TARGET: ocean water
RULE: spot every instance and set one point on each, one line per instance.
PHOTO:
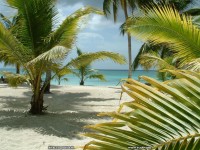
(113, 77)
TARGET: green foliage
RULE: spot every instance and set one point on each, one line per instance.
(84, 70)
(36, 43)
(60, 73)
(15, 80)
(166, 25)
(88, 58)
(165, 115)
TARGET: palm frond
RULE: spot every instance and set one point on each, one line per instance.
(165, 24)
(101, 77)
(106, 6)
(161, 116)
(194, 65)
(6, 21)
(79, 52)
(193, 11)
(11, 49)
(152, 59)
(66, 34)
(196, 21)
(78, 74)
(115, 9)
(33, 27)
(55, 54)
(15, 80)
(63, 72)
(88, 58)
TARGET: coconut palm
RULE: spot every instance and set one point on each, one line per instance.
(85, 72)
(165, 115)
(61, 73)
(178, 31)
(162, 50)
(38, 44)
(125, 5)
(82, 64)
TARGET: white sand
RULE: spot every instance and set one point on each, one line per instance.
(69, 109)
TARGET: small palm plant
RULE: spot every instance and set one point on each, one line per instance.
(82, 64)
(85, 72)
(38, 46)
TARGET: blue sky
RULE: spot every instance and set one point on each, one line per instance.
(100, 33)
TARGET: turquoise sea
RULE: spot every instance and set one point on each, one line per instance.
(112, 76)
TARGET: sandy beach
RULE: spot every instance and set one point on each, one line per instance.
(70, 108)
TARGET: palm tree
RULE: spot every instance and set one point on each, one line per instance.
(85, 72)
(164, 115)
(124, 4)
(82, 64)
(162, 50)
(176, 30)
(37, 44)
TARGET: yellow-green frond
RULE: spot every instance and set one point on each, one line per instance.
(66, 34)
(55, 54)
(165, 115)
(88, 58)
(166, 25)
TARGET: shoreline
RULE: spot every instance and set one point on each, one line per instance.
(70, 108)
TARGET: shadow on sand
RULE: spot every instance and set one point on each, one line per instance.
(63, 119)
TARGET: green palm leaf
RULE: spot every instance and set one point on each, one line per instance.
(66, 34)
(88, 58)
(152, 59)
(97, 76)
(15, 80)
(10, 48)
(33, 27)
(164, 115)
(166, 25)
(55, 54)
(38, 44)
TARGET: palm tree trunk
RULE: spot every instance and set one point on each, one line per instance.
(129, 57)
(59, 78)
(129, 45)
(82, 76)
(82, 82)
(37, 103)
(47, 80)
(37, 98)
(17, 68)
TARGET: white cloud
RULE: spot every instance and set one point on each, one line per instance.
(98, 22)
(66, 10)
(89, 36)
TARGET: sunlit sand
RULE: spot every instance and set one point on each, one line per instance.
(70, 108)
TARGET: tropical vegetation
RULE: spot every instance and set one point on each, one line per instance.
(40, 46)
(85, 72)
(12, 26)
(164, 115)
(128, 6)
(151, 56)
(176, 30)
(37, 44)
(80, 66)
